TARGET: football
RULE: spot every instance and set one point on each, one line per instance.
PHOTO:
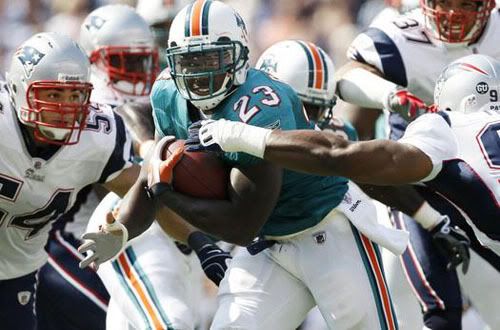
(199, 174)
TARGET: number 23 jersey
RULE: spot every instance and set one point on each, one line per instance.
(36, 190)
(261, 101)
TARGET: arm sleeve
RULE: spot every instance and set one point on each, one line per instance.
(122, 154)
(375, 47)
(432, 134)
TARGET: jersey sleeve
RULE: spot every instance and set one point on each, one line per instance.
(162, 96)
(122, 154)
(432, 134)
(378, 47)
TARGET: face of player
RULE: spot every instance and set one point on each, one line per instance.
(60, 110)
(460, 19)
(207, 70)
(314, 112)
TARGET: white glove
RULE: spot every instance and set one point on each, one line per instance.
(234, 136)
(104, 244)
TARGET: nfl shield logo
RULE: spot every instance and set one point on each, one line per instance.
(23, 297)
(320, 237)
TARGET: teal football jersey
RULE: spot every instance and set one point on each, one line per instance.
(261, 101)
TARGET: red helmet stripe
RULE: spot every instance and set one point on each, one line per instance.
(473, 68)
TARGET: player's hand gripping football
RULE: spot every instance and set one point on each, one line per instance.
(406, 104)
(213, 259)
(104, 244)
(194, 142)
(215, 135)
(453, 244)
(160, 171)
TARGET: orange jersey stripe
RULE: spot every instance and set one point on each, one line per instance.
(140, 292)
(196, 18)
(319, 72)
(380, 281)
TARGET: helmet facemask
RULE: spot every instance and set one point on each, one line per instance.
(206, 72)
(130, 70)
(56, 122)
(456, 25)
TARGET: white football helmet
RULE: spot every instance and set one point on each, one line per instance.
(49, 61)
(120, 46)
(457, 24)
(469, 84)
(304, 66)
(207, 52)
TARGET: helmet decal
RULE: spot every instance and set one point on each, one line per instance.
(318, 72)
(197, 20)
(29, 57)
(95, 22)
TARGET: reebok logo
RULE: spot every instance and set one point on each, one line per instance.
(354, 206)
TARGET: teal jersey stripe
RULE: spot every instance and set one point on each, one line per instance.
(130, 293)
(147, 283)
(371, 277)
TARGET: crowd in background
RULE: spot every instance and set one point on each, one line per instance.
(332, 24)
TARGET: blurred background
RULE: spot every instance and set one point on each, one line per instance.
(332, 24)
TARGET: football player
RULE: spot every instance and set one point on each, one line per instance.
(394, 65)
(51, 149)
(147, 281)
(309, 70)
(309, 253)
(455, 152)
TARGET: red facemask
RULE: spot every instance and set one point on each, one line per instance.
(57, 118)
(135, 65)
(452, 25)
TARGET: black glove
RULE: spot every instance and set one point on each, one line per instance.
(213, 260)
(193, 143)
(452, 243)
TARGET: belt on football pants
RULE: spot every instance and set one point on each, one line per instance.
(259, 244)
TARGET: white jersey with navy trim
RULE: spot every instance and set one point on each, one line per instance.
(35, 191)
(469, 170)
(404, 52)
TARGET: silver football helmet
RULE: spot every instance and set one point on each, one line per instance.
(45, 65)
(120, 46)
(469, 84)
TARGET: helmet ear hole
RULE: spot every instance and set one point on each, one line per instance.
(173, 44)
(224, 39)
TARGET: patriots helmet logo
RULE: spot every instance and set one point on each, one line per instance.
(94, 22)
(29, 57)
